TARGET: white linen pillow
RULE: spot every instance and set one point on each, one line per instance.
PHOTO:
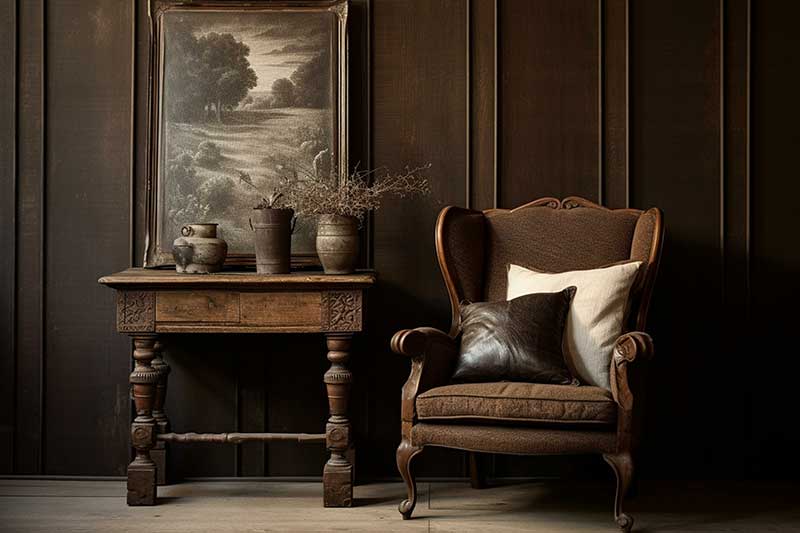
(596, 316)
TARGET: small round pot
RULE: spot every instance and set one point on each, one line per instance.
(337, 243)
(273, 239)
(198, 250)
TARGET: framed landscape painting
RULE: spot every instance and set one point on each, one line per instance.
(241, 93)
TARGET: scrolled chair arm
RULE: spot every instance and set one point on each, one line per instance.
(419, 341)
(628, 348)
(433, 355)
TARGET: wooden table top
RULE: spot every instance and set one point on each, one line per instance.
(162, 279)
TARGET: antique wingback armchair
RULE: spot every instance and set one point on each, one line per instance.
(474, 249)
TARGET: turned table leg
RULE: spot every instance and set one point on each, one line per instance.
(143, 379)
(337, 477)
(160, 452)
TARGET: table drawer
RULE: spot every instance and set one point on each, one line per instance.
(281, 309)
(197, 306)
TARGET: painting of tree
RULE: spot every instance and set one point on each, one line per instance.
(241, 92)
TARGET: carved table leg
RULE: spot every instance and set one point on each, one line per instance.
(337, 477)
(142, 471)
(160, 453)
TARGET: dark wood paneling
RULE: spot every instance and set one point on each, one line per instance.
(482, 49)
(297, 402)
(202, 398)
(735, 200)
(423, 89)
(138, 142)
(87, 232)
(774, 229)
(675, 165)
(614, 57)
(30, 235)
(549, 99)
(8, 185)
(252, 411)
(419, 96)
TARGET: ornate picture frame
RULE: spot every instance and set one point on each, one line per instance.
(240, 91)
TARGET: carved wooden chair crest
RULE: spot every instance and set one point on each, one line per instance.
(474, 249)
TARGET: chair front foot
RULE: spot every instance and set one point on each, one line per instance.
(625, 522)
(622, 464)
(405, 453)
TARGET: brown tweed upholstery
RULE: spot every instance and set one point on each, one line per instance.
(524, 403)
(463, 236)
(515, 440)
(554, 240)
(474, 249)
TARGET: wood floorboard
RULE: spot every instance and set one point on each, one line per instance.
(541, 506)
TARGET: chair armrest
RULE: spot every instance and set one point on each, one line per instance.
(433, 354)
(629, 347)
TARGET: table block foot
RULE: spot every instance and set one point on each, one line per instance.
(337, 481)
(141, 484)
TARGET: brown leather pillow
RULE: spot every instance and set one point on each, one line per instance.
(515, 340)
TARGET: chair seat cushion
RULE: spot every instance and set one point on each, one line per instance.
(519, 403)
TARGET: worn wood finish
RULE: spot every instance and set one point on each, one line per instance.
(542, 506)
(147, 304)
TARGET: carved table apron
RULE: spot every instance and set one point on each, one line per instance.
(150, 302)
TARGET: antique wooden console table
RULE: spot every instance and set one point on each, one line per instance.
(150, 302)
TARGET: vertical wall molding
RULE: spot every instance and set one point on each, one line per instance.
(601, 61)
(614, 71)
(9, 35)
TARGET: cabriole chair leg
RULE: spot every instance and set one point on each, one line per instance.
(623, 468)
(405, 453)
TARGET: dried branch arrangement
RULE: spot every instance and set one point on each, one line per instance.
(352, 195)
(308, 194)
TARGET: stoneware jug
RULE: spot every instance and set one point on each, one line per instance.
(198, 250)
(337, 243)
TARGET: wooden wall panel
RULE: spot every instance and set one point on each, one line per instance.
(30, 238)
(614, 185)
(202, 397)
(548, 100)
(419, 115)
(482, 103)
(775, 224)
(735, 215)
(676, 165)
(8, 185)
(686, 105)
(87, 232)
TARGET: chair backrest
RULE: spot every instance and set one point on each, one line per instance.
(474, 248)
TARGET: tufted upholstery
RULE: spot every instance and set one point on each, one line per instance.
(522, 403)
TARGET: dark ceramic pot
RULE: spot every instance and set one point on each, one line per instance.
(337, 243)
(273, 239)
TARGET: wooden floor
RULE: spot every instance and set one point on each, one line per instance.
(545, 506)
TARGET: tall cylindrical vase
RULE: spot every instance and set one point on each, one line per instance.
(272, 240)
(337, 243)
